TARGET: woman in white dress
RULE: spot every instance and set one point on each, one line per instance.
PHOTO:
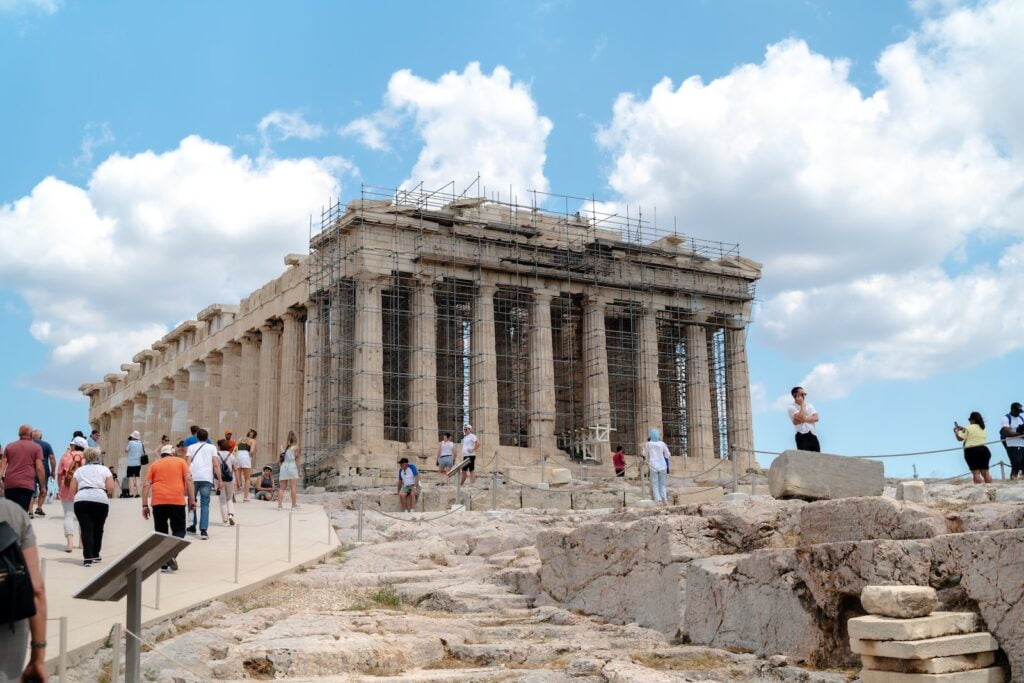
(244, 450)
(288, 475)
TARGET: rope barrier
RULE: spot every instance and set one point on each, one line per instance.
(159, 651)
(418, 520)
(886, 455)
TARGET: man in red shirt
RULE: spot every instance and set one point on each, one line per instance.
(22, 465)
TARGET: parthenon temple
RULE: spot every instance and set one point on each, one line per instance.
(557, 335)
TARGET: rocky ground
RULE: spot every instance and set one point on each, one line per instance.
(465, 597)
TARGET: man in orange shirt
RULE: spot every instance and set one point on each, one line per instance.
(170, 481)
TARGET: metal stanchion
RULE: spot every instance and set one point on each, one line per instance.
(359, 521)
(735, 477)
(1002, 470)
(42, 569)
(290, 535)
(494, 490)
(62, 661)
(329, 529)
(238, 546)
(156, 598)
(115, 657)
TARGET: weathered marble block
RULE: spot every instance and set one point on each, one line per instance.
(904, 602)
(821, 476)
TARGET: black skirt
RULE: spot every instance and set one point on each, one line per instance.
(977, 457)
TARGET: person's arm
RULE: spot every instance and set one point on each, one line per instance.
(36, 667)
(215, 464)
(53, 465)
(399, 488)
(417, 480)
(190, 489)
(41, 474)
(959, 432)
(812, 418)
(147, 486)
(298, 457)
(1006, 430)
(109, 486)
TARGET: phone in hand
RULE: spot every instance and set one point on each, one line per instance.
(956, 425)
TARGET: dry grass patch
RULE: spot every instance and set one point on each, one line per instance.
(682, 661)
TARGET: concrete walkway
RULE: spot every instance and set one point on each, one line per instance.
(207, 568)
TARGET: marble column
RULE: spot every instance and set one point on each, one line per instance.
(212, 395)
(139, 407)
(483, 370)
(293, 356)
(114, 436)
(248, 385)
(313, 415)
(423, 368)
(230, 389)
(737, 392)
(337, 391)
(648, 404)
(196, 394)
(165, 410)
(151, 433)
(269, 390)
(368, 366)
(700, 432)
(542, 375)
(596, 402)
(179, 412)
(127, 418)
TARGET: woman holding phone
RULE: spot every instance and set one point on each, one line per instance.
(976, 453)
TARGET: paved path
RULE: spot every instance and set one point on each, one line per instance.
(206, 567)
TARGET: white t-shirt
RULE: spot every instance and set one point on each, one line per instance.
(657, 455)
(803, 427)
(408, 475)
(202, 466)
(1013, 423)
(469, 445)
(92, 484)
(447, 448)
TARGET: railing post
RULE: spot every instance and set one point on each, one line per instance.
(494, 490)
(238, 545)
(62, 662)
(359, 522)
(290, 535)
(115, 658)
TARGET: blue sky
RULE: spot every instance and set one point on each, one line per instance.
(869, 153)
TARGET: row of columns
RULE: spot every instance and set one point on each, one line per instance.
(253, 382)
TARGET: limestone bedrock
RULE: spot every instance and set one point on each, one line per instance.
(899, 601)
(873, 627)
(821, 476)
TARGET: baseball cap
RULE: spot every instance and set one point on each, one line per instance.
(80, 442)
(167, 450)
(1015, 404)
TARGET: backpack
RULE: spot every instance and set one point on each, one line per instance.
(76, 461)
(17, 597)
(225, 471)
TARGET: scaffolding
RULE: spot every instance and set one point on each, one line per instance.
(412, 289)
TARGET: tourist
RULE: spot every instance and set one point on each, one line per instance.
(192, 437)
(470, 447)
(805, 419)
(22, 468)
(49, 466)
(619, 462)
(72, 459)
(1011, 430)
(408, 484)
(445, 456)
(26, 637)
(94, 439)
(134, 451)
(168, 484)
(976, 453)
(202, 458)
(657, 455)
(228, 474)
(265, 489)
(244, 450)
(231, 442)
(92, 487)
(288, 473)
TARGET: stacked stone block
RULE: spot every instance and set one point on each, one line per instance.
(904, 640)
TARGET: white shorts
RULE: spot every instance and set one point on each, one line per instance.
(243, 460)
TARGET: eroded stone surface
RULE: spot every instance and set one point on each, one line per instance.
(990, 675)
(904, 602)
(933, 665)
(821, 476)
(855, 519)
(873, 627)
(943, 646)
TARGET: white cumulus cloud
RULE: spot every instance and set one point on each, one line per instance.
(853, 200)
(45, 6)
(285, 125)
(149, 241)
(470, 123)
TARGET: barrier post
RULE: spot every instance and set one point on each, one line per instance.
(42, 569)
(238, 545)
(115, 657)
(289, 535)
(62, 661)
(494, 489)
(1002, 470)
(156, 598)
(735, 477)
(328, 525)
(359, 521)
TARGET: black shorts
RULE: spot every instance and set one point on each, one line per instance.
(134, 471)
(471, 465)
(977, 457)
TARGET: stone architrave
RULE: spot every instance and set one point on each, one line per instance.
(368, 365)
(483, 370)
(818, 476)
(648, 386)
(542, 375)
(293, 352)
(700, 431)
(596, 401)
(423, 368)
(212, 400)
(266, 408)
(739, 415)
(248, 385)
(179, 414)
(230, 390)
(196, 394)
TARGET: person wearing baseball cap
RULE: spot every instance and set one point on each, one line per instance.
(1012, 432)
(168, 483)
(470, 447)
(134, 450)
(72, 459)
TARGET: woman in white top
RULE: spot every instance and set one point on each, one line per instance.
(92, 487)
(445, 456)
(228, 476)
(657, 455)
(288, 474)
(244, 450)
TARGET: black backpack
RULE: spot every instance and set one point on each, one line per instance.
(17, 597)
(225, 471)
